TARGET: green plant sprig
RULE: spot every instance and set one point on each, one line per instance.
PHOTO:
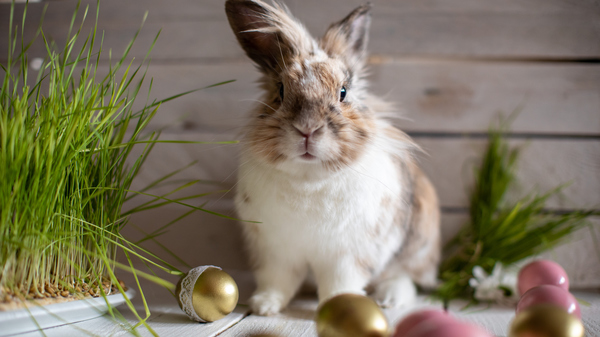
(499, 231)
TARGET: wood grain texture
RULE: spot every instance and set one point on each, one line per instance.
(467, 96)
(296, 320)
(199, 239)
(431, 96)
(457, 28)
(543, 165)
(436, 96)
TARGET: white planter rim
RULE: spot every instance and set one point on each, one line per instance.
(52, 315)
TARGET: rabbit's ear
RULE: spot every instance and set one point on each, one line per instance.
(268, 33)
(348, 37)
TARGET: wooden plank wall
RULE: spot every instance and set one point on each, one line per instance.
(451, 66)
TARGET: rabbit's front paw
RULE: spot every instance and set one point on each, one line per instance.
(395, 293)
(266, 303)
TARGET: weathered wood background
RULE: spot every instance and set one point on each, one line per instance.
(453, 67)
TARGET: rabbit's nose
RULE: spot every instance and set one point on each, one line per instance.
(307, 133)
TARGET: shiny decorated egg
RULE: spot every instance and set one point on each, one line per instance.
(546, 321)
(542, 272)
(207, 294)
(351, 315)
(430, 316)
(549, 294)
(446, 328)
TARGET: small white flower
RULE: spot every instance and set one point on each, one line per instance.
(36, 63)
(499, 287)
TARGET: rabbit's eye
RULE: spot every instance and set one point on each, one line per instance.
(342, 94)
(281, 91)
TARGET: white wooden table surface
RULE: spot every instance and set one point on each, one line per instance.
(297, 320)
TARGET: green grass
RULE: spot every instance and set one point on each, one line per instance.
(500, 230)
(66, 163)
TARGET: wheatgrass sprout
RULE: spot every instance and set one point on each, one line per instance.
(64, 145)
(501, 230)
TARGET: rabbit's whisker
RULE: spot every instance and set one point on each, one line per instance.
(261, 102)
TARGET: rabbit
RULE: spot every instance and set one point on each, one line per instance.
(333, 186)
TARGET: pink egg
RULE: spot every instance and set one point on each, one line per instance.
(447, 328)
(549, 294)
(541, 272)
(409, 322)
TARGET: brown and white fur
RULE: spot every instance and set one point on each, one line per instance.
(333, 184)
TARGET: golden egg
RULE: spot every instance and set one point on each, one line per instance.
(350, 315)
(214, 294)
(546, 321)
